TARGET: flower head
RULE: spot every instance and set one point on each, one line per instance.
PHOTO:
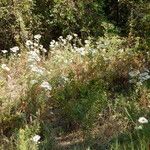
(142, 120)
(37, 69)
(4, 51)
(14, 49)
(29, 43)
(46, 85)
(36, 138)
(69, 37)
(80, 50)
(38, 36)
(33, 56)
(134, 73)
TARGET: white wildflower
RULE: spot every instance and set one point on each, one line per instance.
(4, 66)
(35, 44)
(144, 76)
(37, 70)
(52, 43)
(33, 56)
(14, 49)
(44, 50)
(38, 36)
(80, 50)
(134, 73)
(69, 37)
(32, 47)
(41, 46)
(36, 138)
(64, 41)
(142, 120)
(65, 78)
(60, 37)
(87, 42)
(29, 43)
(75, 35)
(33, 82)
(56, 44)
(4, 51)
(121, 50)
(46, 85)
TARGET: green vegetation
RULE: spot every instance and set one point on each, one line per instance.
(75, 75)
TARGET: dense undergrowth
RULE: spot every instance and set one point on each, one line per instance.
(70, 79)
(100, 89)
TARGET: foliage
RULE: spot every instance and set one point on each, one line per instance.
(70, 79)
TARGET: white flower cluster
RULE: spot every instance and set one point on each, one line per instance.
(33, 60)
(35, 46)
(46, 86)
(139, 77)
(33, 56)
(14, 49)
(62, 42)
(80, 50)
(36, 69)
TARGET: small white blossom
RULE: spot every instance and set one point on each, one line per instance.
(29, 43)
(36, 138)
(33, 56)
(38, 36)
(69, 37)
(134, 73)
(4, 66)
(80, 50)
(60, 37)
(46, 85)
(33, 82)
(87, 42)
(144, 76)
(64, 41)
(35, 44)
(4, 51)
(14, 49)
(37, 70)
(52, 43)
(41, 46)
(142, 120)
(75, 35)
(44, 50)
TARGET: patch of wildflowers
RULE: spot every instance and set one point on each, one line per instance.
(134, 73)
(33, 56)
